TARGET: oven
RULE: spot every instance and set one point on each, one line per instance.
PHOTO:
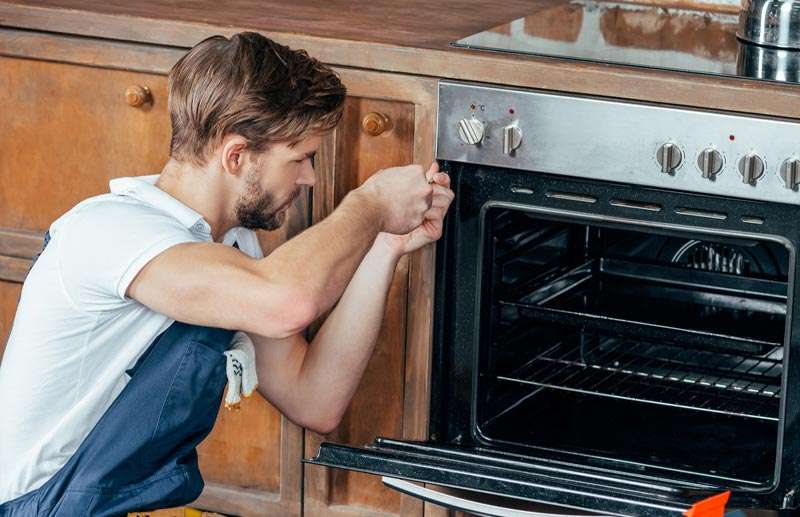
(613, 312)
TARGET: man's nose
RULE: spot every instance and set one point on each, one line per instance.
(307, 175)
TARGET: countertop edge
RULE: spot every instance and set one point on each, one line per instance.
(552, 74)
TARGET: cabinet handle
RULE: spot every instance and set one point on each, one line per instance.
(137, 96)
(375, 123)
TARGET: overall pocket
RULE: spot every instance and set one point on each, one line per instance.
(77, 502)
(192, 403)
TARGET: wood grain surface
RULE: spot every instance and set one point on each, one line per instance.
(67, 131)
(408, 37)
(411, 23)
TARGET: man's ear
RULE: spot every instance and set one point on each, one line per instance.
(232, 154)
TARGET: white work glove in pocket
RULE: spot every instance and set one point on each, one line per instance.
(241, 370)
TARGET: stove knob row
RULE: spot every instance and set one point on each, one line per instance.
(710, 161)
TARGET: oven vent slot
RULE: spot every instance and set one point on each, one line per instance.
(752, 219)
(694, 212)
(516, 189)
(570, 196)
(637, 205)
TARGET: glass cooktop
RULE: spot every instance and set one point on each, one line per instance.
(638, 35)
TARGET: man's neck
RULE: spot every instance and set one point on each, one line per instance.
(201, 189)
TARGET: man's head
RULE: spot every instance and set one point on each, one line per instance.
(254, 111)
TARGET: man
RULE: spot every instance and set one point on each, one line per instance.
(114, 368)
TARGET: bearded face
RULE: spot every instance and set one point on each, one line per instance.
(258, 209)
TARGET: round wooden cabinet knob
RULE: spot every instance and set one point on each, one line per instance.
(375, 123)
(138, 96)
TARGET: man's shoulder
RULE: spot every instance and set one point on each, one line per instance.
(114, 212)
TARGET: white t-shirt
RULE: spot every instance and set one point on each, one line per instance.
(75, 333)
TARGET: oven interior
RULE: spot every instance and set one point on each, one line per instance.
(632, 347)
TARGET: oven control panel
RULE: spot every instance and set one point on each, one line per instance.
(638, 143)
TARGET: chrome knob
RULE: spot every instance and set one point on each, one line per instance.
(470, 130)
(790, 172)
(751, 167)
(709, 161)
(512, 139)
(670, 157)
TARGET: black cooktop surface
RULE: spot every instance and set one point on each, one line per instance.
(638, 35)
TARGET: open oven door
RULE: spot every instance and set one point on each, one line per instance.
(482, 483)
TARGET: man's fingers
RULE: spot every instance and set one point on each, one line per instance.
(442, 178)
(439, 190)
(435, 213)
(441, 202)
(430, 174)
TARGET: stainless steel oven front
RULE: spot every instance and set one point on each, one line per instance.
(613, 315)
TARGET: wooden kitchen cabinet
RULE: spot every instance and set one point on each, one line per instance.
(68, 128)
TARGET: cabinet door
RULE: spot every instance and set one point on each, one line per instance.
(391, 400)
(66, 130)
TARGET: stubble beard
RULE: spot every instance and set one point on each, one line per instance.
(256, 209)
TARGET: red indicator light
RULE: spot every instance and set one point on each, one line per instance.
(511, 110)
(731, 137)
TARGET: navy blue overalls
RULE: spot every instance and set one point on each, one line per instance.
(141, 454)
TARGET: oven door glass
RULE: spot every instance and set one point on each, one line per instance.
(633, 347)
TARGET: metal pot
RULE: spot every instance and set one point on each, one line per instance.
(774, 23)
(774, 64)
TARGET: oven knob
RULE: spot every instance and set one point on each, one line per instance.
(751, 167)
(790, 172)
(470, 130)
(709, 161)
(669, 156)
(512, 138)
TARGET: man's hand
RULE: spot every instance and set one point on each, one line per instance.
(431, 228)
(402, 195)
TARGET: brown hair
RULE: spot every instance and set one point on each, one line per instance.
(251, 86)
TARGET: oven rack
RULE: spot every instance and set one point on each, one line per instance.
(737, 385)
(643, 330)
(755, 308)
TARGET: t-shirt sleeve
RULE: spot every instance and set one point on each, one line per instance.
(103, 247)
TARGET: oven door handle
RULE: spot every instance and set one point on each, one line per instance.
(463, 503)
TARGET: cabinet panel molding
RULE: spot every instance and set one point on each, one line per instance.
(391, 399)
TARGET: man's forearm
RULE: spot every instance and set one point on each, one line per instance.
(336, 358)
(321, 260)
